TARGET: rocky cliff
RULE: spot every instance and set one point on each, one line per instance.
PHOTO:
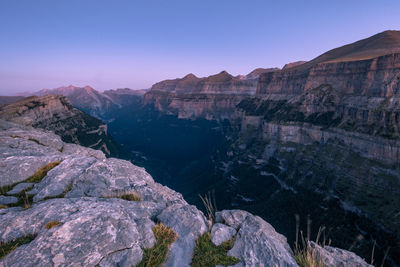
(63, 205)
(213, 97)
(55, 113)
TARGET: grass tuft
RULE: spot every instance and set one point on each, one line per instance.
(6, 248)
(206, 253)
(42, 172)
(157, 255)
(210, 206)
(303, 254)
(122, 194)
(36, 141)
(52, 224)
(3, 206)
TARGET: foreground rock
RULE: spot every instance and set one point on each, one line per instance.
(336, 257)
(77, 217)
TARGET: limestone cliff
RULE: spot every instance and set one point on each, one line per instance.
(213, 97)
(55, 113)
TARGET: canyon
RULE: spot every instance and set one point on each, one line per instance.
(318, 140)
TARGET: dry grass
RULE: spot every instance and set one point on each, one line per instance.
(206, 253)
(303, 254)
(129, 196)
(210, 205)
(3, 206)
(157, 255)
(6, 248)
(42, 172)
(52, 224)
(36, 141)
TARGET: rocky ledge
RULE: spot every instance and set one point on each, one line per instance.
(69, 204)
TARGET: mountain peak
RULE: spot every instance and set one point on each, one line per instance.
(190, 76)
(383, 43)
(223, 76)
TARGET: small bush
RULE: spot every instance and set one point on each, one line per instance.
(52, 224)
(206, 253)
(157, 255)
(6, 248)
(42, 172)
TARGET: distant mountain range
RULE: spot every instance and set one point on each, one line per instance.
(92, 101)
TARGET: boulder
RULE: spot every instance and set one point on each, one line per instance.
(336, 257)
(221, 233)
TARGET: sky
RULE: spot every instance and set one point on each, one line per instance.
(134, 44)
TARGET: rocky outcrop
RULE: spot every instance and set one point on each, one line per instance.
(335, 257)
(79, 218)
(56, 113)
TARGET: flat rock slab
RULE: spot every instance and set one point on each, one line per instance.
(221, 233)
(19, 188)
(6, 200)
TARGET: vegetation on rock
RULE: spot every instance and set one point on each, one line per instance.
(157, 255)
(6, 248)
(52, 224)
(206, 253)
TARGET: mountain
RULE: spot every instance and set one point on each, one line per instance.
(83, 209)
(212, 97)
(99, 105)
(368, 67)
(56, 113)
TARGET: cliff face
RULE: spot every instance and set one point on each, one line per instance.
(213, 97)
(55, 113)
(376, 77)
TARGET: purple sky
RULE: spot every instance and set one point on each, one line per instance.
(114, 44)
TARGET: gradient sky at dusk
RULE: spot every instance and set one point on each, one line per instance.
(114, 44)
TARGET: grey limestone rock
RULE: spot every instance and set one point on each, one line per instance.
(189, 223)
(221, 233)
(257, 243)
(336, 257)
(233, 218)
(19, 188)
(5, 200)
